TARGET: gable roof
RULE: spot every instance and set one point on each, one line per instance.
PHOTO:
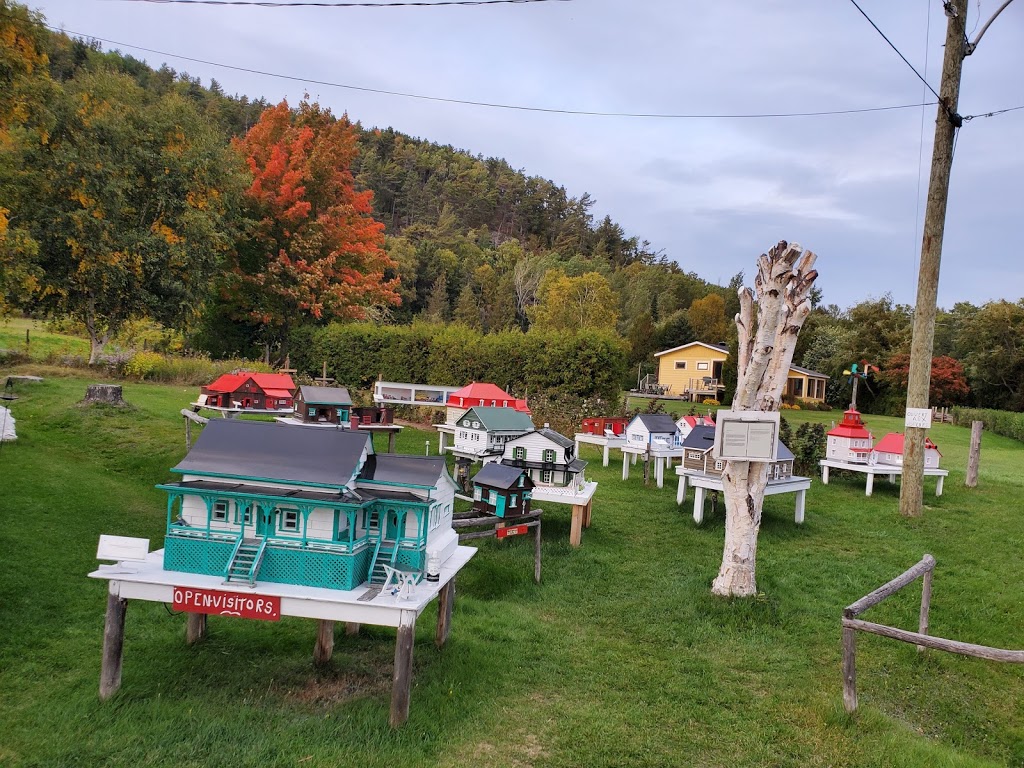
(325, 395)
(851, 426)
(715, 347)
(808, 372)
(481, 393)
(230, 382)
(276, 453)
(498, 419)
(697, 421)
(548, 433)
(657, 422)
(893, 443)
(420, 471)
(497, 475)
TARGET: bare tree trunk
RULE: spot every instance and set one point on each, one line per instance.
(766, 344)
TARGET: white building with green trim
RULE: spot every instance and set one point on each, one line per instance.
(301, 505)
(482, 431)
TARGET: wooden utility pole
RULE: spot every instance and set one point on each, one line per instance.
(946, 124)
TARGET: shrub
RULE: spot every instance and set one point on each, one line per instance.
(709, 401)
(142, 364)
(1005, 423)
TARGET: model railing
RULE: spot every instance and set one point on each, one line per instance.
(851, 624)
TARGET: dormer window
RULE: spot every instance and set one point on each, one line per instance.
(476, 425)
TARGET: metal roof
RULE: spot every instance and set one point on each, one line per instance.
(497, 475)
(808, 372)
(276, 452)
(325, 395)
(658, 422)
(496, 419)
(420, 471)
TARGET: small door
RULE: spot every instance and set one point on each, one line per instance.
(392, 532)
(265, 521)
(499, 508)
(716, 370)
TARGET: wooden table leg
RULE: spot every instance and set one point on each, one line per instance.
(113, 645)
(800, 501)
(824, 474)
(351, 628)
(324, 648)
(698, 504)
(588, 510)
(870, 484)
(401, 682)
(576, 529)
(625, 466)
(659, 472)
(605, 455)
(445, 604)
(681, 490)
(938, 486)
(195, 628)
(536, 553)
(391, 442)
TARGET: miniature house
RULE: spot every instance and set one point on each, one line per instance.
(698, 455)
(686, 423)
(501, 490)
(889, 451)
(484, 430)
(303, 505)
(599, 425)
(548, 457)
(247, 390)
(849, 441)
(323, 405)
(654, 430)
(373, 415)
(480, 394)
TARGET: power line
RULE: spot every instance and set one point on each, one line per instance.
(496, 105)
(905, 61)
(993, 113)
(269, 4)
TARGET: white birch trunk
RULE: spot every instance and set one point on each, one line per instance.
(766, 344)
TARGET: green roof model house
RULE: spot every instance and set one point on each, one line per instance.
(483, 430)
(301, 505)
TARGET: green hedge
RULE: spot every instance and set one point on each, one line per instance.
(1006, 423)
(586, 364)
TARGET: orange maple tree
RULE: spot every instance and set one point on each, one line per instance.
(312, 248)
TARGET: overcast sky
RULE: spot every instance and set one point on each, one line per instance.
(711, 194)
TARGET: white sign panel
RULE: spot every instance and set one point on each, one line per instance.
(746, 436)
(919, 417)
(122, 548)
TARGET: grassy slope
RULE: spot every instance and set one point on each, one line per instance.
(620, 657)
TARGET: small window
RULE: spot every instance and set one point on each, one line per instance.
(694, 455)
(476, 425)
(476, 437)
(718, 465)
(519, 453)
(493, 403)
(220, 511)
(289, 519)
(521, 480)
(463, 435)
(545, 476)
(549, 455)
(512, 500)
(680, 365)
(311, 411)
(477, 493)
(492, 498)
(245, 516)
(703, 366)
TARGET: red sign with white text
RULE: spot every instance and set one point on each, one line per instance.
(265, 607)
(512, 530)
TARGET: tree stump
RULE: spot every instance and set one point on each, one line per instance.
(104, 393)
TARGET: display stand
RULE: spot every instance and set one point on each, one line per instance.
(886, 470)
(703, 482)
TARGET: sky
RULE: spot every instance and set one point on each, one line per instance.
(711, 194)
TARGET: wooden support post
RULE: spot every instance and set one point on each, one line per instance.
(850, 669)
(188, 435)
(113, 645)
(351, 628)
(391, 441)
(974, 457)
(576, 528)
(926, 602)
(536, 553)
(625, 466)
(324, 648)
(445, 604)
(401, 682)
(195, 628)
(587, 512)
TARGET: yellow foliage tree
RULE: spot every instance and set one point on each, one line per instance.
(707, 319)
(567, 303)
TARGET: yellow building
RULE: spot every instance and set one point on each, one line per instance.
(694, 371)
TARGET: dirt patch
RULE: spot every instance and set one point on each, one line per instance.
(345, 686)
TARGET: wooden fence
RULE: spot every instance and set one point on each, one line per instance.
(851, 624)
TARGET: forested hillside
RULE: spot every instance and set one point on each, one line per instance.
(129, 193)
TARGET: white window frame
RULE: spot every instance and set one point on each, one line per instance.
(219, 511)
(703, 366)
(548, 452)
(696, 455)
(519, 453)
(492, 498)
(289, 519)
(478, 493)
(545, 475)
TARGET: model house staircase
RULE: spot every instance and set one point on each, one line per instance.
(384, 551)
(245, 561)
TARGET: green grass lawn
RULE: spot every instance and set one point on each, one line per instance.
(621, 657)
(42, 344)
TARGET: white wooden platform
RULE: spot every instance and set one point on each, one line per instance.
(230, 413)
(606, 443)
(402, 393)
(149, 581)
(703, 482)
(886, 470)
(662, 459)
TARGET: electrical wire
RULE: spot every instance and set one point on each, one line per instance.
(268, 4)
(496, 105)
(993, 113)
(905, 61)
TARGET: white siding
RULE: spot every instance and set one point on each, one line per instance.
(535, 445)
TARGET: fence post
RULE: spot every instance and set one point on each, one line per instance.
(850, 669)
(974, 457)
(926, 602)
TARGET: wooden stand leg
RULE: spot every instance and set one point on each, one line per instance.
(605, 455)
(351, 628)
(195, 628)
(801, 498)
(870, 484)
(401, 683)
(938, 486)
(445, 604)
(113, 646)
(698, 505)
(324, 648)
(536, 553)
(587, 513)
(824, 474)
(576, 529)
(625, 466)
(391, 442)
(681, 490)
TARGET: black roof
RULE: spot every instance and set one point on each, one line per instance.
(658, 422)
(263, 450)
(421, 471)
(498, 475)
(556, 437)
(249, 489)
(325, 395)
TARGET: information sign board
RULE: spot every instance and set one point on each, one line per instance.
(746, 436)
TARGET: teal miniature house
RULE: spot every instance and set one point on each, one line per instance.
(301, 505)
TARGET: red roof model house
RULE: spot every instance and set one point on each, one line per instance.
(849, 440)
(890, 451)
(480, 394)
(685, 424)
(258, 391)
